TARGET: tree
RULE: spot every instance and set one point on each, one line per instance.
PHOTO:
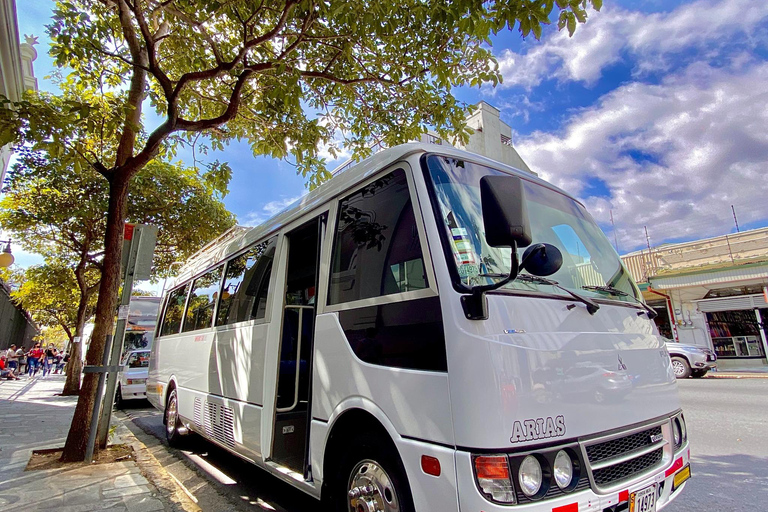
(285, 76)
(57, 209)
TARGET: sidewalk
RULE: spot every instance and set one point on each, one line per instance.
(739, 373)
(32, 417)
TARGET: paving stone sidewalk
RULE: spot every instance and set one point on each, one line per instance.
(32, 417)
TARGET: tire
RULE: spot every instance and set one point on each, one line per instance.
(119, 402)
(681, 368)
(172, 423)
(697, 374)
(371, 462)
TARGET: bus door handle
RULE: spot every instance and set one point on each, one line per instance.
(298, 359)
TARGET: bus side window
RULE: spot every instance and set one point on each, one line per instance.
(202, 300)
(376, 250)
(173, 311)
(246, 277)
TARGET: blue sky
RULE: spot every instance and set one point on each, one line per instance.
(655, 110)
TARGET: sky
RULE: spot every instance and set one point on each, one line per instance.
(654, 112)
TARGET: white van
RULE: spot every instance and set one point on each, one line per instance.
(430, 330)
(133, 379)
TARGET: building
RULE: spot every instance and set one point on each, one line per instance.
(16, 72)
(711, 292)
(491, 137)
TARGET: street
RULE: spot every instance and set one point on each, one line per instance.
(726, 423)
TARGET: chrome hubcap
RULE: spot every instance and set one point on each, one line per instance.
(371, 490)
(678, 367)
(170, 421)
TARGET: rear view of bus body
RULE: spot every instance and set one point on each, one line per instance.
(359, 346)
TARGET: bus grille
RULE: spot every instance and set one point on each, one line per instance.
(628, 469)
(617, 460)
(622, 445)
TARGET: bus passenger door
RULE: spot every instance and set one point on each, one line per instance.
(294, 375)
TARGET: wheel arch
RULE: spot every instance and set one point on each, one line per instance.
(354, 415)
(172, 384)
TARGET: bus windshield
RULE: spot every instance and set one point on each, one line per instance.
(590, 265)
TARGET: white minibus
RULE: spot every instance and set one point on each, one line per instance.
(430, 330)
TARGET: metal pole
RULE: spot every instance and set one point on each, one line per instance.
(735, 219)
(97, 403)
(117, 344)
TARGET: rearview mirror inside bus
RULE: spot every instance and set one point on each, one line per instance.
(504, 212)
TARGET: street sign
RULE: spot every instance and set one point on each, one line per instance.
(145, 251)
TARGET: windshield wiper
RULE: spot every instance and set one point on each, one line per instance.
(621, 293)
(607, 289)
(592, 306)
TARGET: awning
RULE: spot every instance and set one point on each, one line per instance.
(736, 303)
(710, 278)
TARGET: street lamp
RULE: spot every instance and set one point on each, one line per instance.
(6, 258)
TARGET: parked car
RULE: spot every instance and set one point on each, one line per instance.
(133, 378)
(690, 360)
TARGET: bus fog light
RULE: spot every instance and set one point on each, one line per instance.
(563, 469)
(492, 472)
(530, 476)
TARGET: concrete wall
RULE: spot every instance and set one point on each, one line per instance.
(15, 327)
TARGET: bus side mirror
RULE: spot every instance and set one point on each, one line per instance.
(505, 215)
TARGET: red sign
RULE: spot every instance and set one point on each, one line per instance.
(128, 232)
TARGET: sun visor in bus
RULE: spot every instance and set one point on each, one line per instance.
(505, 215)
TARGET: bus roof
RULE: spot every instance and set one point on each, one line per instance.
(241, 237)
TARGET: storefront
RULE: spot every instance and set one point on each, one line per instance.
(725, 310)
(736, 325)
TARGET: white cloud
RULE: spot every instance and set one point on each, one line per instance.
(674, 156)
(650, 39)
(270, 209)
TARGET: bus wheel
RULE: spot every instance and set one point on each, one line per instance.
(681, 368)
(172, 422)
(373, 479)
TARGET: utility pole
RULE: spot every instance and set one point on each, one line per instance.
(735, 219)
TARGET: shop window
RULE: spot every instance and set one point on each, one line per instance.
(246, 285)
(735, 334)
(202, 300)
(377, 250)
(174, 311)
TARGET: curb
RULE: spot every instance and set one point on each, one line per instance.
(153, 471)
(734, 375)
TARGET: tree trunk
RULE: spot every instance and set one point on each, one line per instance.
(77, 439)
(75, 365)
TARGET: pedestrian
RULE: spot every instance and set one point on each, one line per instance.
(11, 359)
(6, 373)
(21, 355)
(49, 360)
(60, 362)
(33, 359)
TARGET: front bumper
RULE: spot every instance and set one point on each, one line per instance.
(603, 456)
(471, 500)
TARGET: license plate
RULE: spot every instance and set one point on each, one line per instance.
(643, 500)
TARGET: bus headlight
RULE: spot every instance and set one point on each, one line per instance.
(530, 476)
(677, 432)
(563, 469)
(683, 428)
